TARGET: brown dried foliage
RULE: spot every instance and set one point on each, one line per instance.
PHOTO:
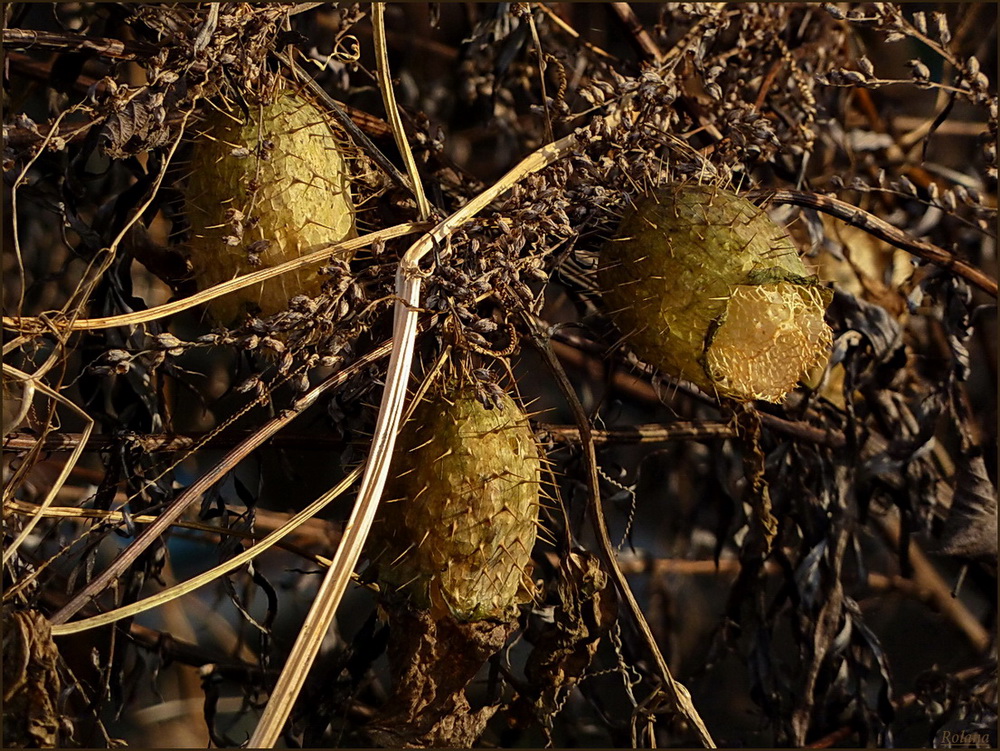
(869, 130)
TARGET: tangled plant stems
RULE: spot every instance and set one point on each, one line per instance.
(688, 289)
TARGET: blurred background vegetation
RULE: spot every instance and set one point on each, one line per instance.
(871, 620)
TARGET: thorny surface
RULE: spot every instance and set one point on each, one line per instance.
(775, 97)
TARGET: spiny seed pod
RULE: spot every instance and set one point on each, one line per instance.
(263, 190)
(705, 286)
(459, 521)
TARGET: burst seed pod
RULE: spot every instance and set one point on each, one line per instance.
(706, 287)
(459, 521)
(263, 190)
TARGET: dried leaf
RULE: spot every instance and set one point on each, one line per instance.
(137, 128)
(31, 683)
(971, 528)
(432, 662)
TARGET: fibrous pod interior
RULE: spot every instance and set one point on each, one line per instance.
(457, 527)
(264, 189)
(705, 286)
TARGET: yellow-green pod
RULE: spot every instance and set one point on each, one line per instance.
(265, 188)
(706, 287)
(455, 531)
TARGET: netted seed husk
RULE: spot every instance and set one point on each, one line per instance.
(676, 278)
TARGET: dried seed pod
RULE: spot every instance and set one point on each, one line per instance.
(31, 683)
(705, 286)
(459, 521)
(263, 190)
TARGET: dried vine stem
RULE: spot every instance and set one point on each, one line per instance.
(677, 693)
(264, 521)
(392, 111)
(579, 355)
(195, 490)
(25, 39)
(331, 591)
(144, 316)
(35, 383)
(640, 37)
(882, 230)
(165, 442)
(206, 577)
(680, 430)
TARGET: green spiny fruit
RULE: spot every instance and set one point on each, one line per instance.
(263, 190)
(705, 286)
(459, 521)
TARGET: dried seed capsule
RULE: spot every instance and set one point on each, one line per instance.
(456, 529)
(32, 688)
(705, 286)
(294, 201)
